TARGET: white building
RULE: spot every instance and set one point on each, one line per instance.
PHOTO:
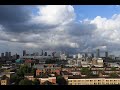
(79, 56)
(100, 62)
(74, 56)
(63, 57)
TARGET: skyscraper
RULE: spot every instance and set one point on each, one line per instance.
(2, 55)
(6, 54)
(86, 55)
(9, 54)
(24, 52)
(42, 53)
(106, 54)
(98, 53)
(92, 55)
(45, 54)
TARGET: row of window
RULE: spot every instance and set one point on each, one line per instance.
(94, 83)
(94, 80)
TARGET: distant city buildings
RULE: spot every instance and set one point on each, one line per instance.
(97, 53)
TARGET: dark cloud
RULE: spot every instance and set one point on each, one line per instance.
(78, 29)
(19, 31)
(13, 14)
(15, 18)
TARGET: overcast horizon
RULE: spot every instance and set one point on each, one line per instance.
(70, 28)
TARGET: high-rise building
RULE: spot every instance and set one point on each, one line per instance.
(6, 54)
(24, 52)
(9, 54)
(98, 53)
(42, 53)
(92, 55)
(53, 54)
(106, 54)
(2, 55)
(45, 54)
(36, 53)
(86, 55)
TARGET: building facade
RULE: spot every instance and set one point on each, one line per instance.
(94, 81)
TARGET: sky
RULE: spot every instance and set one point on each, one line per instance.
(69, 28)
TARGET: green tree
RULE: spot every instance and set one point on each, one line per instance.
(86, 71)
(114, 75)
(13, 78)
(36, 82)
(25, 82)
(0, 65)
(61, 80)
(113, 68)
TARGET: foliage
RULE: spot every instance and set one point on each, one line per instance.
(61, 80)
(113, 68)
(0, 65)
(20, 74)
(25, 82)
(113, 75)
(36, 82)
(15, 79)
(86, 71)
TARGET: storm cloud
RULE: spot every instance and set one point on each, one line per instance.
(54, 27)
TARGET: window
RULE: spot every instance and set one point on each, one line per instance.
(74, 80)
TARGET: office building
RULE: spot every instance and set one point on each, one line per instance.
(92, 55)
(79, 56)
(42, 53)
(106, 54)
(9, 54)
(98, 53)
(2, 55)
(45, 54)
(24, 52)
(6, 54)
(86, 55)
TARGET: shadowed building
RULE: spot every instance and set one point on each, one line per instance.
(98, 53)
(24, 52)
(2, 55)
(106, 54)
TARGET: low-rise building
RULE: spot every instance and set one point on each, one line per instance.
(50, 79)
(4, 80)
(93, 81)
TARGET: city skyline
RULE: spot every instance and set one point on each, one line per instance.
(71, 28)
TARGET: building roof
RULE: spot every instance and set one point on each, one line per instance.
(18, 61)
(66, 73)
(29, 61)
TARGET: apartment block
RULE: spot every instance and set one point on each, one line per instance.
(94, 81)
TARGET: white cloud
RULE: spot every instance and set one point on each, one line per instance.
(54, 14)
(101, 32)
(31, 45)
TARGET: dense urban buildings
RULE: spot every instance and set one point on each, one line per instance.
(51, 69)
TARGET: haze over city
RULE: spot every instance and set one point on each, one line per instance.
(70, 28)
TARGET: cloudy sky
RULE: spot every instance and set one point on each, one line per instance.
(70, 28)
